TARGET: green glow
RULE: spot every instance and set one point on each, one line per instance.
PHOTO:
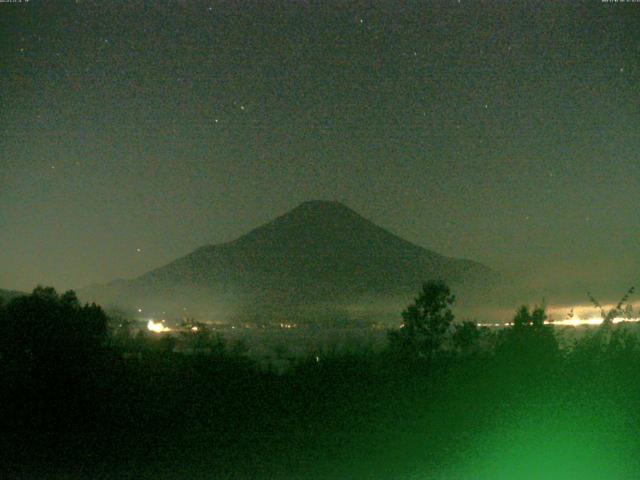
(570, 442)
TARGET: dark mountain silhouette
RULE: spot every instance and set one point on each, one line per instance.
(320, 252)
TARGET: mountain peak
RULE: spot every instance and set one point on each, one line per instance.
(322, 204)
(312, 222)
(323, 207)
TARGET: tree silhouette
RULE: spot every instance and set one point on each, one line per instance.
(529, 341)
(52, 358)
(44, 326)
(466, 336)
(425, 322)
(622, 309)
(608, 341)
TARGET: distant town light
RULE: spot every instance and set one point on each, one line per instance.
(576, 322)
(569, 322)
(157, 327)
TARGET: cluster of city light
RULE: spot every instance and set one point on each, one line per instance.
(576, 322)
(583, 315)
(569, 322)
(157, 327)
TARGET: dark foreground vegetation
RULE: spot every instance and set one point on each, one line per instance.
(82, 397)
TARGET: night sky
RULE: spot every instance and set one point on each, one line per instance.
(134, 132)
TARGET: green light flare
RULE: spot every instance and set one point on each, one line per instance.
(569, 443)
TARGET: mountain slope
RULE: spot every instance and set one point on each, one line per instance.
(320, 252)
